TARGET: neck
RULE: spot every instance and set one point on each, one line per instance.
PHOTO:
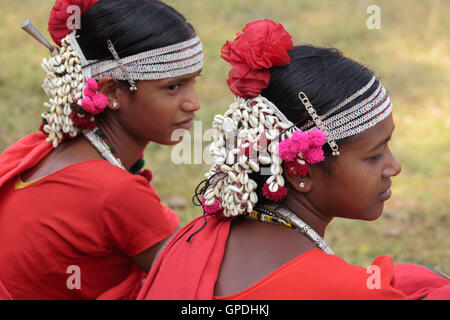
(128, 148)
(300, 205)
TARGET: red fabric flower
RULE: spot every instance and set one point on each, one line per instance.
(274, 196)
(261, 45)
(57, 23)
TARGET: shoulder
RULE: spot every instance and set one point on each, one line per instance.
(262, 248)
(116, 189)
(317, 275)
(110, 177)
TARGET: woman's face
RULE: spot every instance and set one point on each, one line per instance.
(158, 108)
(361, 177)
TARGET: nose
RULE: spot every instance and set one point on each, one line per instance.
(393, 168)
(191, 103)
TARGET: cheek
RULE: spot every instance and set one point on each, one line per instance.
(154, 120)
(353, 193)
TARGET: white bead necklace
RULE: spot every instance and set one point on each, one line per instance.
(103, 148)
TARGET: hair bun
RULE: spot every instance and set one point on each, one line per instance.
(57, 23)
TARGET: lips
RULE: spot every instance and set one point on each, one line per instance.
(186, 124)
(385, 195)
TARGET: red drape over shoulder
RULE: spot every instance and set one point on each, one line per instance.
(23, 155)
(189, 270)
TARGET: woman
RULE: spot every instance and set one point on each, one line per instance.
(306, 140)
(74, 224)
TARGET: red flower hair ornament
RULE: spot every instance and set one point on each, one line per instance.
(58, 26)
(261, 45)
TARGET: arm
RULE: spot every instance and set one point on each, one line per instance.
(145, 259)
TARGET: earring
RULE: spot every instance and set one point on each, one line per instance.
(301, 185)
(115, 104)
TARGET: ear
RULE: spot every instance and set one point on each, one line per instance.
(110, 87)
(300, 184)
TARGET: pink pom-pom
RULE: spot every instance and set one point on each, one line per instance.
(215, 207)
(300, 141)
(274, 196)
(100, 102)
(92, 84)
(285, 150)
(313, 155)
(88, 92)
(316, 138)
(88, 105)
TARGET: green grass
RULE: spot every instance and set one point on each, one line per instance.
(409, 53)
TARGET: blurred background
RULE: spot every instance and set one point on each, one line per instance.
(410, 53)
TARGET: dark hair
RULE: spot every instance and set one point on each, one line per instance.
(133, 26)
(327, 78)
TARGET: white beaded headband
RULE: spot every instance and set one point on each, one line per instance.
(358, 118)
(162, 63)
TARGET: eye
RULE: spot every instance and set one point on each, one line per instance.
(377, 157)
(174, 87)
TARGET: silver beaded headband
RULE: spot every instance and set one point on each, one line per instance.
(162, 63)
(352, 121)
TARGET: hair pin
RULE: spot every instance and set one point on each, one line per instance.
(119, 62)
(312, 112)
(28, 27)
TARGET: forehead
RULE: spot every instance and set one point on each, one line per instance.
(368, 139)
(169, 81)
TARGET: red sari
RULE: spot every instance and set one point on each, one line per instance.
(189, 270)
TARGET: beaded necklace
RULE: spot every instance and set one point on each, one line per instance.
(272, 213)
(101, 142)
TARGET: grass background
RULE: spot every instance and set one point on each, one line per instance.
(410, 53)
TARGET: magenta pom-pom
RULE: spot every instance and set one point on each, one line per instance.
(316, 138)
(100, 102)
(313, 155)
(300, 141)
(88, 105)
(215, 207)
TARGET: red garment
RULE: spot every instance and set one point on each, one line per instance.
(91, 215)
(189, 270)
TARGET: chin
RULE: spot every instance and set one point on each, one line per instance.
(172, 142)
(372, 216)
(168, 141)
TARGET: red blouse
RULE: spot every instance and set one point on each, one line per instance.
(81, 223)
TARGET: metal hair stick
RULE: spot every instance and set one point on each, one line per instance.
(32, 31)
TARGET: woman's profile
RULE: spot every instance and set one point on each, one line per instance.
(79, 218)
(305, 141)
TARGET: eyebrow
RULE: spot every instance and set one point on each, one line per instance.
(183, 79)
(385, 140)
